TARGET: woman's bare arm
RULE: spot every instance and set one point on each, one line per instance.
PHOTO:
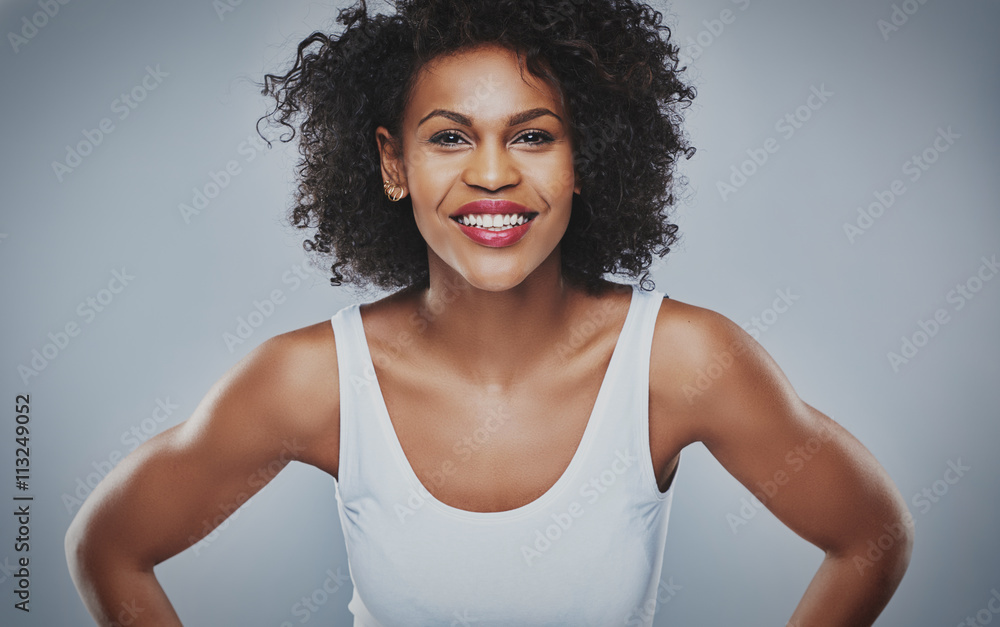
(280, 403)
(806, 469)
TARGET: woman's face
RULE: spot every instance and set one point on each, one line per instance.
(475, 130)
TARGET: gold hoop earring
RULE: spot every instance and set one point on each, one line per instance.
(394, 192)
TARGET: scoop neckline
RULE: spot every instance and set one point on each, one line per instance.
(413, 481)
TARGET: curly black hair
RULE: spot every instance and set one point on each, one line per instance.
(621, 83)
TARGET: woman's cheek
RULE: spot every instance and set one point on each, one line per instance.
(558, 186)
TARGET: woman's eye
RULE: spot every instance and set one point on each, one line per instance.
(440, 138)
(540, 137)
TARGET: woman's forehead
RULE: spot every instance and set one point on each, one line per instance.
(481, 82)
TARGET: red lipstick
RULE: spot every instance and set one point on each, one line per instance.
(499, 236)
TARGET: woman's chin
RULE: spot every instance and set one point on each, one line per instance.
(490, 276)
(494, 282)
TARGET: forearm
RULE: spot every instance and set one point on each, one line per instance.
(119, 596)
(846, 592)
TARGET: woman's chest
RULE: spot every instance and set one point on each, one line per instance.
(486, 448)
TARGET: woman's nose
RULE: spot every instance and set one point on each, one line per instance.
(491, 167)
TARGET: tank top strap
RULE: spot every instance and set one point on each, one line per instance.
(359, 401)
(623, 431)
(649, 309)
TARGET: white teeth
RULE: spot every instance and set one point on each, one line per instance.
(494, 222)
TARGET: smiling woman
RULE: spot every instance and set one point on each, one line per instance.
(466, 165)
(505, 429)
(598, 103)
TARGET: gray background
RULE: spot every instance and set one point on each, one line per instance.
(162, 336)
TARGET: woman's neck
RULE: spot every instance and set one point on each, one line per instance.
(494, 336)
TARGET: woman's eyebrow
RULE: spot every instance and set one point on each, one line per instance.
(514, 120)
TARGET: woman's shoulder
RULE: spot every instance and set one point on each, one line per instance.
(294, 376)
(703, 364)
(303, 362)
(693, 328)
(689, 338)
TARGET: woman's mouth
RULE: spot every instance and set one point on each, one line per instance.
(494, 222)
(495, 230)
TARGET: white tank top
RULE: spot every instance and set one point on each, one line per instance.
(589, 551)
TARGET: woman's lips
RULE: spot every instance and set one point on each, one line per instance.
(497, 238)
(485, 211)
(492, 207)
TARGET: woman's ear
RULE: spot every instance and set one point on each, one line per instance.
(390, 157)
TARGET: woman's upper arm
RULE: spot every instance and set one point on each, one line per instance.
(806, 469)
(276, 405)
